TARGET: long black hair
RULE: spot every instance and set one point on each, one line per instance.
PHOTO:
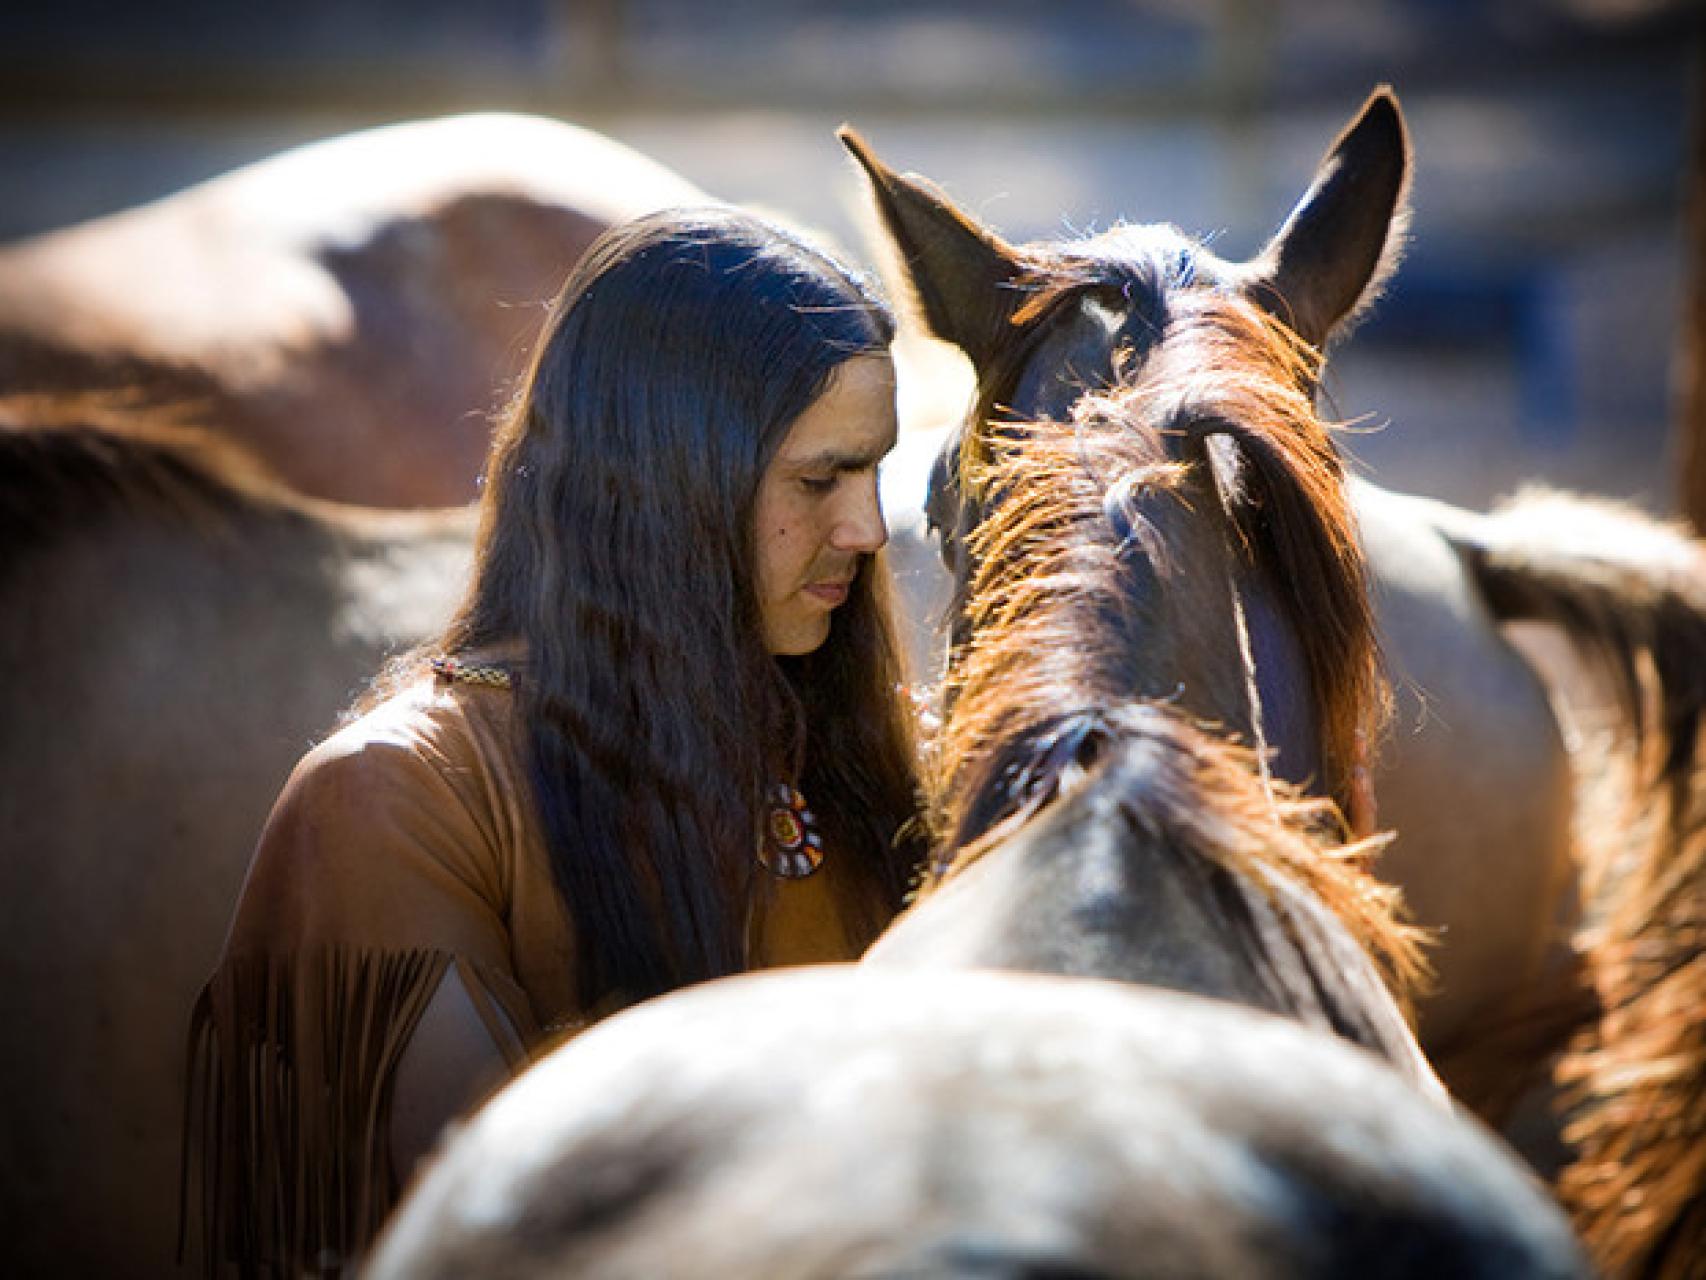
(617, 543)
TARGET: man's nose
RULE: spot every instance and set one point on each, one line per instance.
(861, 527)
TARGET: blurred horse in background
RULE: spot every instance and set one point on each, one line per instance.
(1553, 933)
(351, 310)
(177, 628)
(827, 1122)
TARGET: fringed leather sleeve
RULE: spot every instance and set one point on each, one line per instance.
(384, 864)
(292, 1064)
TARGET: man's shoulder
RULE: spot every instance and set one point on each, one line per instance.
(426, 724)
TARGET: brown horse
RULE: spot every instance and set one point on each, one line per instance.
(1478, 788)
(177, 628)
(349, 310)
(1152, 547)
(829, 1123)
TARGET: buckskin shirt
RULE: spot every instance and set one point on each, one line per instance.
(403, 845)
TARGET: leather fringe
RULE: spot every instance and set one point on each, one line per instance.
(287, 1166)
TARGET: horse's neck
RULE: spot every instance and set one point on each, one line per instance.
(1071, 897)
(1084, 892)
(1079, 892)
(1333, 984)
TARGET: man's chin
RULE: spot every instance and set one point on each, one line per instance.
(801, 639)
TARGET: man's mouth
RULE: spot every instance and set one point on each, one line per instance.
(832, 591)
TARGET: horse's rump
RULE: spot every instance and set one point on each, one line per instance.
(352, 310)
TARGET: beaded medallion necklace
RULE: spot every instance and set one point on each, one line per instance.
(789, 846)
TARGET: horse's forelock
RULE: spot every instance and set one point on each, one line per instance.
(1053, 279)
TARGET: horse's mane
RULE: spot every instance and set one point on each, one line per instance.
(1630, 592)
(69, 462)
(1052, 572)
(1174, 781)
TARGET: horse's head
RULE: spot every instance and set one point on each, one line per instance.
(1044, 321)
(1243, 579)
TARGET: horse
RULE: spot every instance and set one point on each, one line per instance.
(1086, 823)
(838, 1121)
(1552, 932)
(350, 310)
(179, 627)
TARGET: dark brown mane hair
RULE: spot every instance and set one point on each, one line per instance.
(1047, 574)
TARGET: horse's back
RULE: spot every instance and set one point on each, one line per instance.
(836, 1122)
(171, 648)
(350, 309)
(1474, 776)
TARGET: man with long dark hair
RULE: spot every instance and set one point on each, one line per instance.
(663, 740)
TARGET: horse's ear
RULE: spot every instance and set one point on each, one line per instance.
(1342, 241)
(961, 273)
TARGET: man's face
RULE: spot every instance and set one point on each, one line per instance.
(817, 511)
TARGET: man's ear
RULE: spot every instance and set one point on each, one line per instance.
(962, 274)
(1343, 240)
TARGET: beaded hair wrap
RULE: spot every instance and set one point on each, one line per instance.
(454, 669)
(789, 847)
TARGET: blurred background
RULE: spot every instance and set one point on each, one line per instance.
(1533, 331)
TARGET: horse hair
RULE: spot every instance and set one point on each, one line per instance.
(1175, 782)
(1631, 593)
(1050, 577)
(1050, 571)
